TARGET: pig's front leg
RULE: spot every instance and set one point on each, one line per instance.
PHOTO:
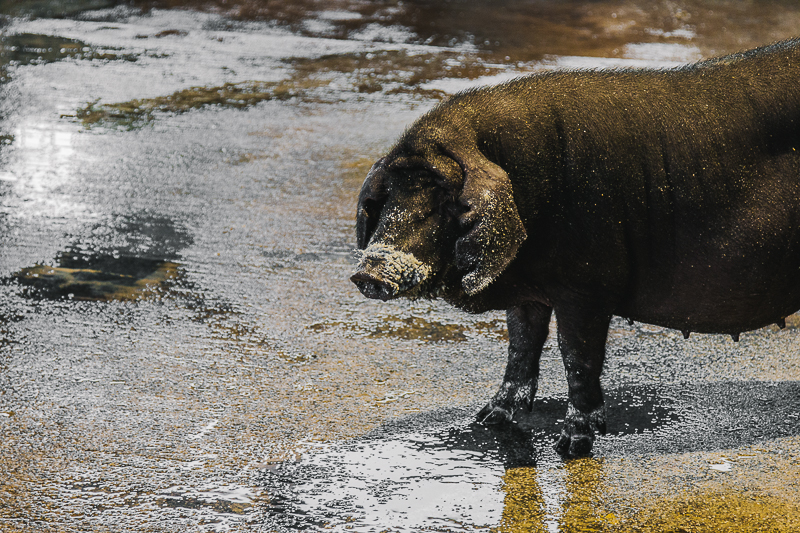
(582, 333)
(528, 326)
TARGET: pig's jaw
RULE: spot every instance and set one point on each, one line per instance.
(384, 272)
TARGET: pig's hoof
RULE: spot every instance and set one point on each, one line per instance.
(574, 445)
(493, 415)
(577, 437)
(511, 397)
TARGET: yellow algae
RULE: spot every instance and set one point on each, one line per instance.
(684, 493)
(665, 494)
(723, 511)
(17, 483)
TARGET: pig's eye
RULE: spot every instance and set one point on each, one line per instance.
(372, 208)
(448, 204)
(419, 180)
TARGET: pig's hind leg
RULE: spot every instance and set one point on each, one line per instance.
(582, 333)
(528, 326)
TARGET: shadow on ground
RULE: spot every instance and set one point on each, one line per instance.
(442, 468)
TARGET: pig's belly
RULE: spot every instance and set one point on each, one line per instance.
(722, 304)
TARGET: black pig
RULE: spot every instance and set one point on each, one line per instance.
(670, 197)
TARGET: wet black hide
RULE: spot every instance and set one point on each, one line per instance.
(670, 197)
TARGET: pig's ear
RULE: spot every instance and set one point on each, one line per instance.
(494, 229)
(370, 202)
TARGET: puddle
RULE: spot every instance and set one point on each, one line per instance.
(129, 259)
(442, 471)
(35, 49)
(437, 479)
(52, 8)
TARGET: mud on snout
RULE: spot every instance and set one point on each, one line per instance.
(384, 272)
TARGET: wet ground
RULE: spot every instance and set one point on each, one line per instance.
(181, 349)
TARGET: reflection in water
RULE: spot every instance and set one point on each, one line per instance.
(126, 259)
(463, 475)
(583, 480)
(523, 505)
(42, 172)
(35, 49)
(563, 498)
(459, 478)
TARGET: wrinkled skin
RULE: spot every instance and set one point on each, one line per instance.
(667, 197)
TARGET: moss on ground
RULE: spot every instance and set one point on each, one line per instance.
(390, 72)
(236, 95)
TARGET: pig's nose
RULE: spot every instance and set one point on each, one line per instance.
(371, 286)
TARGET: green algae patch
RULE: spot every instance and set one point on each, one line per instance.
(387, 72)
(414, 328)
(231, 95)
(407, 328)
(37, 49)
(134, 281)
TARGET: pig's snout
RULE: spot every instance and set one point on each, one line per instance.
(372, 287)
(384, 272)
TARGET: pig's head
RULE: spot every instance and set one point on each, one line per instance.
(434, 221)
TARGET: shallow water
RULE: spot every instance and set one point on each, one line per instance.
(181, 349)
